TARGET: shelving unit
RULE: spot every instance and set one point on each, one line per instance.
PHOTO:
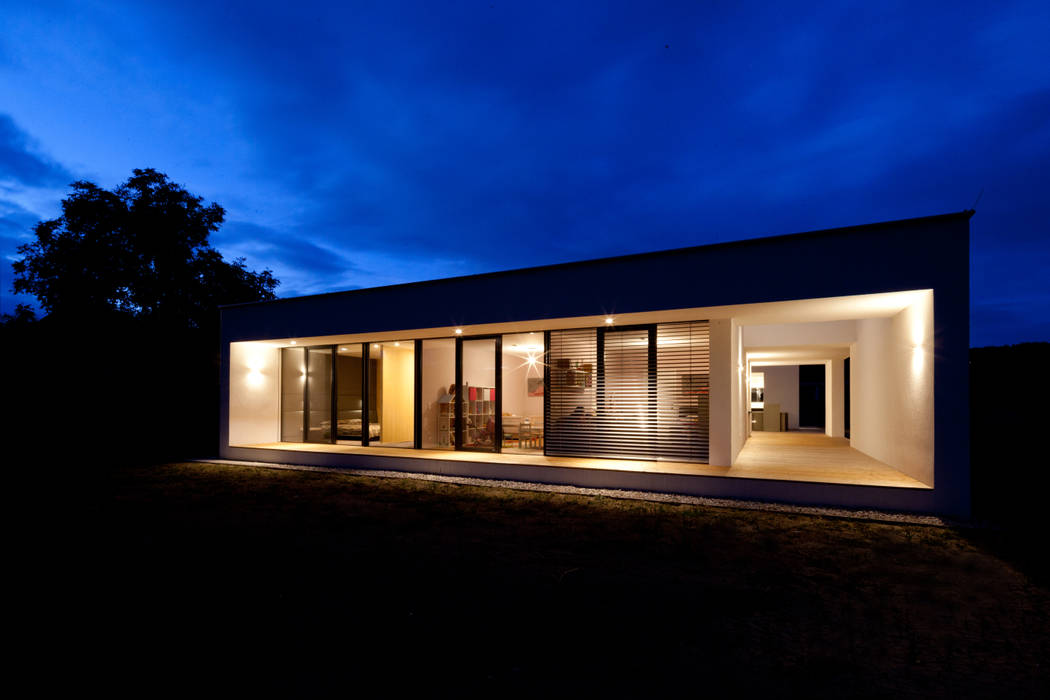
(445, 421)
(479, 417)
(573, 373)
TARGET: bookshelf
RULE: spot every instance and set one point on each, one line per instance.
(479, 417)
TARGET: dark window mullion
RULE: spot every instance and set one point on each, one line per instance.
(366, 407)
(497, 433)
(417, 399)
(546, 386)
(457, 408)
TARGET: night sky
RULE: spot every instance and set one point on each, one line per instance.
(372, 143)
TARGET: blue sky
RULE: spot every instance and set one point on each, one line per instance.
(366, 143)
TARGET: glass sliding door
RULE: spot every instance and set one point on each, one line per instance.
(394, 406)
(640, 392)
(477, 407)
(348, 381)
(293, 386)
(438, 388)
(624, 393)
(523, 370)
(319, 394)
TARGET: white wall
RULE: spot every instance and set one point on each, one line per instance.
(741, 392)
(729, 393)
(782, 388)
(255, 400)
(835, 398)
(891, 390)
(723, 367)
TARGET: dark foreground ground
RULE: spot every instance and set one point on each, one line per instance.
(241, 579)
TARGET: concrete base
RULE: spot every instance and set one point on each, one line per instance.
(776, 491)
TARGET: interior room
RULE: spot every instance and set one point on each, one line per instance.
(523, 389)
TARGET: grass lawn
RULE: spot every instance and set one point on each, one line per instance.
(240, 578)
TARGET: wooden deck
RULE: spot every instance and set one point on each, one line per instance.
(792, 456)
(802, 456)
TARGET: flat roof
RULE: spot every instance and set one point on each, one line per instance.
(966, 213)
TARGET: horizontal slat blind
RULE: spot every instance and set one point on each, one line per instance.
(624, 412)
(572, 395)
(683, 380)
(622, 404)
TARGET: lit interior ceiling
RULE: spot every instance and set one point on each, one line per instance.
(797, 355)
(798, 311)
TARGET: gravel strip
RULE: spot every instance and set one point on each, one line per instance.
(869, 515)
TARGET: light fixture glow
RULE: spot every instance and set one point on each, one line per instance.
(459, 331)
(293, 342)
(375, 345)
(609, 320)
(397, 344)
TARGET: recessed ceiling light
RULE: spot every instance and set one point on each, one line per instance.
(459, 331)
(342, 349)
(609, 320)
(293, 342)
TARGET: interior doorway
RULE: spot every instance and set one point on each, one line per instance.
(811, 397)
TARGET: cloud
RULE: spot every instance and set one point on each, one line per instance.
(22, 162)
(361, 144)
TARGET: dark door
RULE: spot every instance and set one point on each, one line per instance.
(811, 396)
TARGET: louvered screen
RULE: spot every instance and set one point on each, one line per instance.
(632, 401)
(572, 394)
(624, 395)
(683, 372)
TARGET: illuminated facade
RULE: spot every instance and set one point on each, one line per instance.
(673, 371)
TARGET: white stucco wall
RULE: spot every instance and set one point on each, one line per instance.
(835, 398)
(891, 390)
(741, 391)
(723, 369)
(255, 401)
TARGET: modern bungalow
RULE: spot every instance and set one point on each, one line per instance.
(822, 368)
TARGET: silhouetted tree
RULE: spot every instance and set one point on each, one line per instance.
(140, 249)
(127, 354)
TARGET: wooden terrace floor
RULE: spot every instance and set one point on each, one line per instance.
(790, 456)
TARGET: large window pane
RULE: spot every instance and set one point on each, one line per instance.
(478, 395)
(319, 393)
(348, 394)
(523, 393)
(293, 382)
(624, 404)
(438, 386)
(573, 400)
(395, 393)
